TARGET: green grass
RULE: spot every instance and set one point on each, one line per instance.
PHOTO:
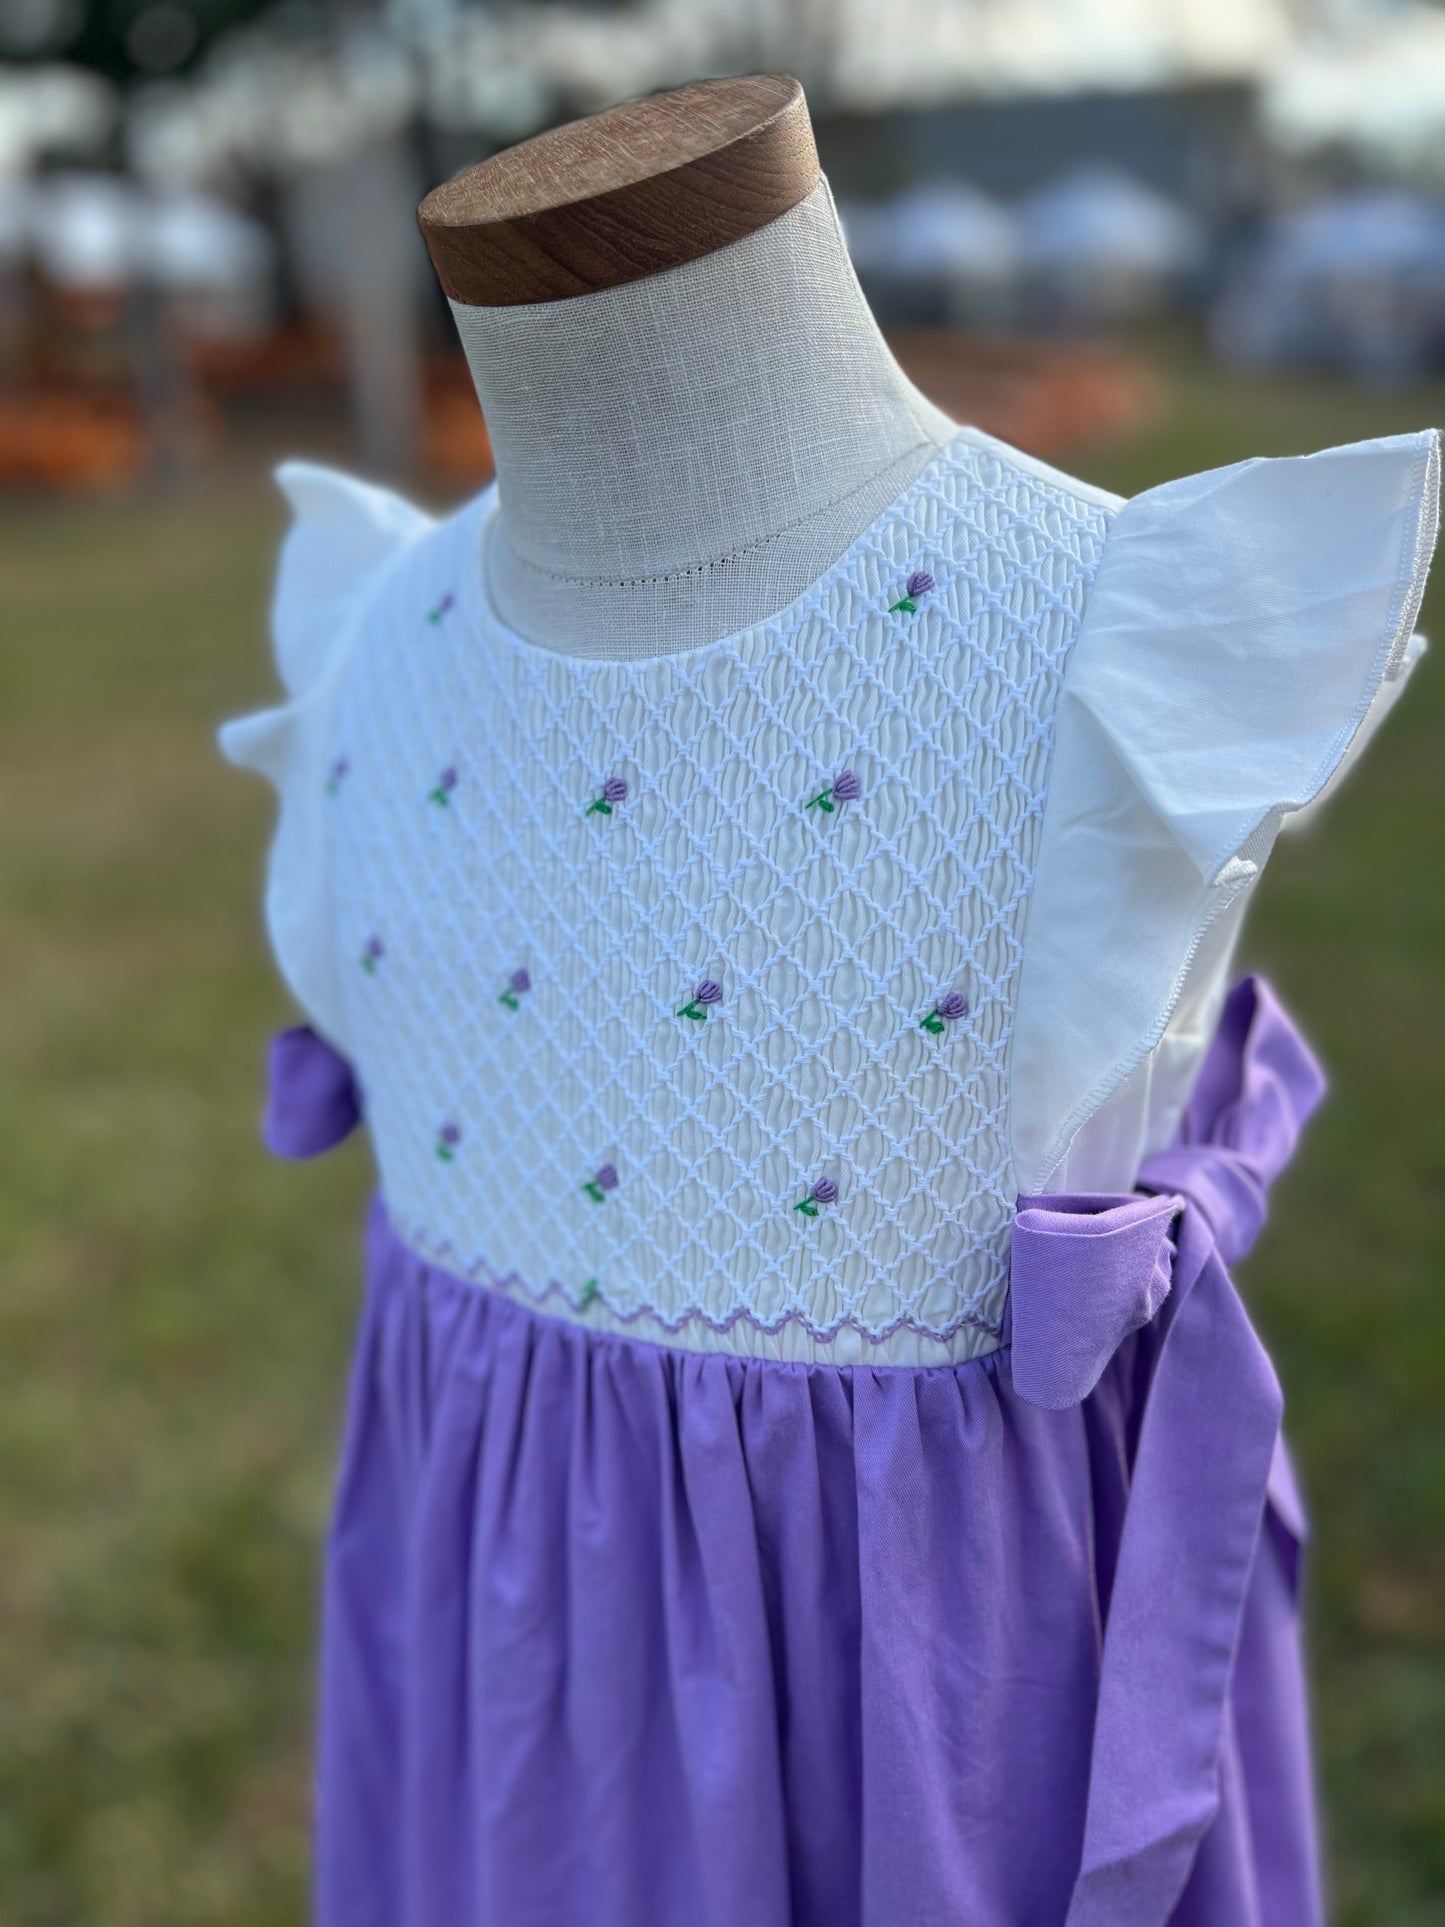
(176, 1309)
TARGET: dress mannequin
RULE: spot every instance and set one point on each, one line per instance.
(692, 409)
(766, 1497)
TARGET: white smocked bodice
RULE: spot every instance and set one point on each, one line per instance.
(689, 996)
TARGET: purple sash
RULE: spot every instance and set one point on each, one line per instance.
(1088, 1271)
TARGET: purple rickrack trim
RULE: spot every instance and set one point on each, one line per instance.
(476, 1271)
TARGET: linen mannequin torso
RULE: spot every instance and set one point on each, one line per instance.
(683, 455)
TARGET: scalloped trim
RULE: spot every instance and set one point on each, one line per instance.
(582, 1307)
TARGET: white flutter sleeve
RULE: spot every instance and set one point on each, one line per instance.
(344, 535)
(1245, 632)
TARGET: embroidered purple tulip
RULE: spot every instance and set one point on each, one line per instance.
(447, 602)
(602, 1180)
(949, 1008)
(844, 788)
(703, 998)
(588, 1292)
(372, 955)
(448, 1138)
(518, 984)
(919, 583)
(337, 775)
(820, 1191)
(446, 783)
(614, 791)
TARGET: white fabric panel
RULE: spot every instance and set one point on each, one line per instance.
(831, 934)
(1385, 698)
(1238, 633)
(1142, 1113)
(344, 536)
(1055, 754)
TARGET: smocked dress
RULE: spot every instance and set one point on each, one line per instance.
(806, 1461)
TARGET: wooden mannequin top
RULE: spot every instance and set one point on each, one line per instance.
(692, 411)
(644, 187)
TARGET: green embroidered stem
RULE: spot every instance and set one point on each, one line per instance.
(440, 797)
(368, 964)
(445, 1153)
(602, 1180)
(587, 1294)
(951, 1008)
(509, 999)
(822, 1190)
(822, 801)
(693, 1010)
(907, 605)
(614, 790)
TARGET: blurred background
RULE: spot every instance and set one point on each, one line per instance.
(1136, 237)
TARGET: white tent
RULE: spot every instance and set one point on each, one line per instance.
(1100, 219)
(943, 229)
(100, 231)
(1096, 245)
(1353, 280)
(1371, 231)
(85, 230)
(196, 244)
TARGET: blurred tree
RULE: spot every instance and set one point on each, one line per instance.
(123, 39)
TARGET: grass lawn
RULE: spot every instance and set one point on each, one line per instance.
(176, 1309)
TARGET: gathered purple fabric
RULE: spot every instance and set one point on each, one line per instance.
(623, 1636)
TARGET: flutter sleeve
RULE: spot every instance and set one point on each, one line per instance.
(1246, 630)
(343, 537)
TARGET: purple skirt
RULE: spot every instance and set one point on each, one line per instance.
(623, 1636)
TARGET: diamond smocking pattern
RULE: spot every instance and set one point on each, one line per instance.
(524, 1007)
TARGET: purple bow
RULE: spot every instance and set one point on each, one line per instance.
(314, 1101)
(1087, 1272)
